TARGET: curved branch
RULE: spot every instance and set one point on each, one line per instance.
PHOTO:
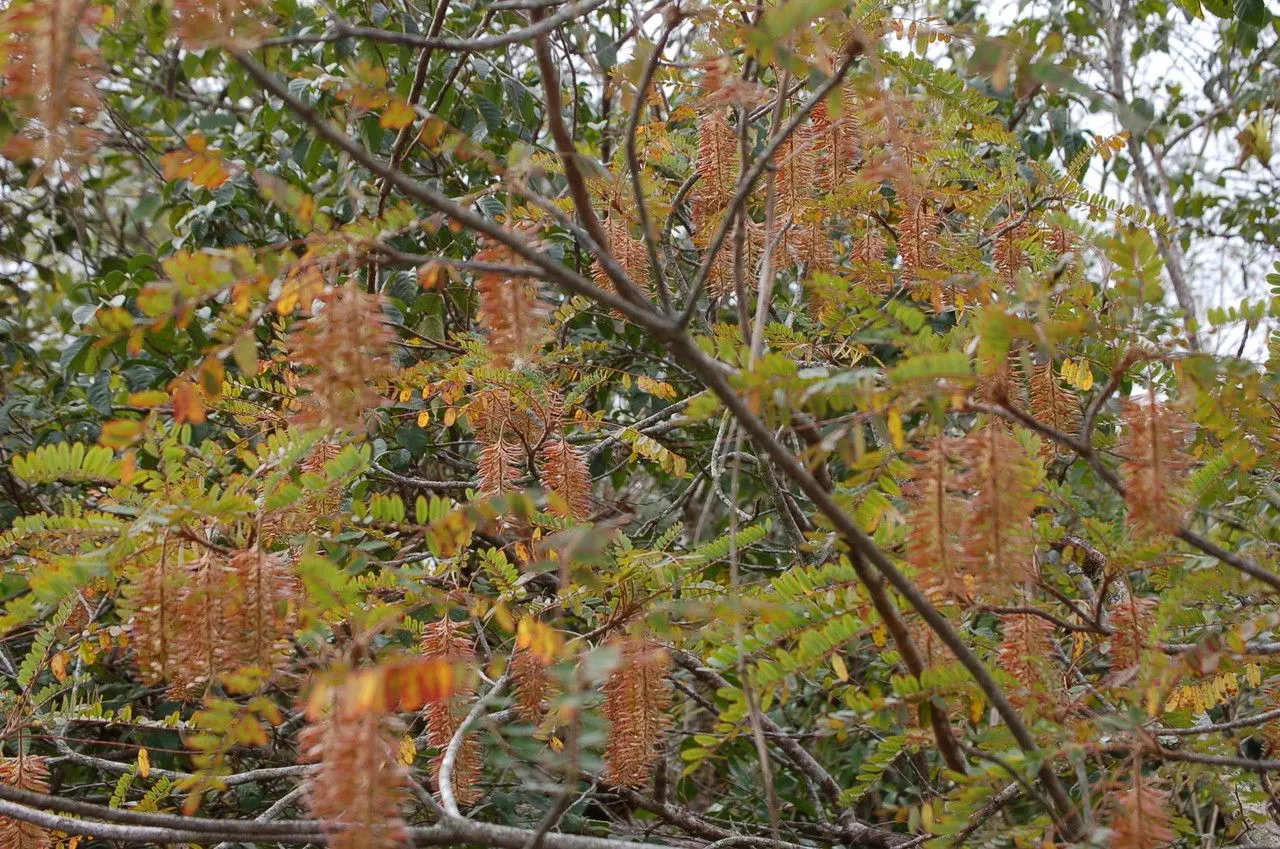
(568, 153)
(447, 799)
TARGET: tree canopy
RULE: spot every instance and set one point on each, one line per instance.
(592, 424)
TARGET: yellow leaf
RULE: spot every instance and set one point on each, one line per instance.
(397, 114)
(657, 388)
(977, 706)
(503, 617)
(306, 209)
(316, 700)
(423, 418)
(147, 398)
(212, 375)
(431, 275)
(288, 300)
(118, 433)
(896, 433)
(144, 763)
(408, 750)
(539, 638)
(1077, 374)
(59, 666)
(842, 671)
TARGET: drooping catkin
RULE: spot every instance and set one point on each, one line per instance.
(1131, 622)
(866, 256)
(563, 471)
(325, 503)
(447, 640)
(1140, 817)
(794, 174)
(500, 465)
(1153, 445)
(718, 166)
(997, 536)
(262, 619)
(511, 310)
(25, 772)
(794, 189)
(935, 520)
(50, 76)
(1026, 646)
(345, 354)
(917, 234)
(627, 251)
(1008, 253)
(637, 696)
(836, 143)
(203, 645)
(361, 783)
(149, 599)
(194, 621)
(813, 248)
(532, 684)
(1053, 405)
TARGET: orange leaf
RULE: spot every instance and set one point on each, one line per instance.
(188, 406)
(397, 114)
(414, 684)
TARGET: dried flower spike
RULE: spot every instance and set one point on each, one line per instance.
(637, 696)
(1141, 816)
(564, 473)
(1153, 444)
(345, 353)
(447, 640)
(532, 684)
(511, 311)
(50, 77)
(935, 520)
(997, 534)
(1055, 406)
(361, 783)
(24, 772)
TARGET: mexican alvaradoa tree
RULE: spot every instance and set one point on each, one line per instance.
(577, 425)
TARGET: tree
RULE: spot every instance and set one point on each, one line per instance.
(570, 425)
